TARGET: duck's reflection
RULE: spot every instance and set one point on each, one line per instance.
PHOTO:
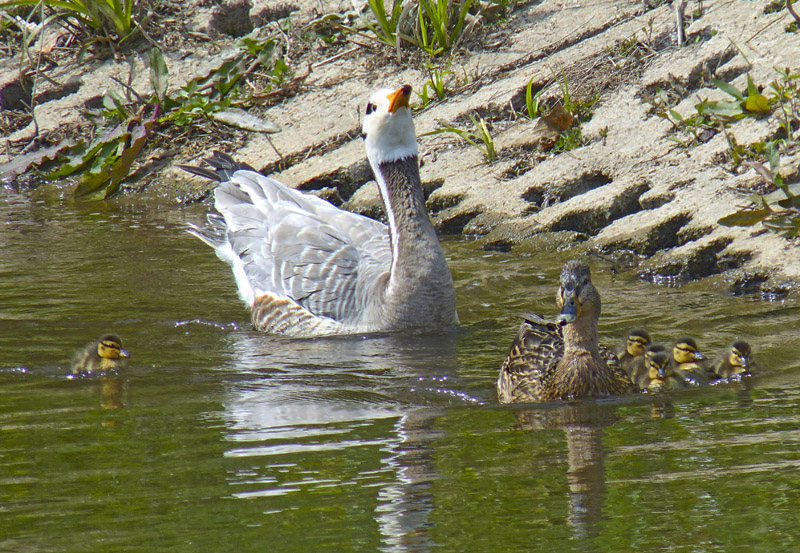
(583, 424)
(292, 399)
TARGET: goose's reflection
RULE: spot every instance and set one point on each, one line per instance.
(292, 398)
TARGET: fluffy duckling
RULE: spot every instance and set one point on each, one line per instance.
(635, 346)
(563, 359)
(661, 375)
(735, 362)
(687, 359)
(640, 367)
(107, 354)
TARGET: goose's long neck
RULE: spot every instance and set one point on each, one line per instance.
(410, 229)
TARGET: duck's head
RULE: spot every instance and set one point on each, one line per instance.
(110, 347)
(658, 364)
(388, 130)
(739, 357)
(637, 342)
(577, 297)
(685, 350)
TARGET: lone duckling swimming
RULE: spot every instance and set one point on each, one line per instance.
(687, 359)
(107, 354)
(661, 374)
(562, 359)
(735, 362)
(635, 346)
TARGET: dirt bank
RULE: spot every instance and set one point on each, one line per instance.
(629, 192)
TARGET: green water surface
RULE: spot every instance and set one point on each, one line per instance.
(220, 439)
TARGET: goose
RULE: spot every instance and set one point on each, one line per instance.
(104, 355)
(563, 359)
(307, 268)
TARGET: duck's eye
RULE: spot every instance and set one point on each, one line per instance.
(370, 108)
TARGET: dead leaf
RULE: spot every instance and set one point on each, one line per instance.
(241, 119)
(558, 119)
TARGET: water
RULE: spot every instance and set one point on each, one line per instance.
(218, 438)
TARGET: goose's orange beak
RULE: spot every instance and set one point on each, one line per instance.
(399, 98)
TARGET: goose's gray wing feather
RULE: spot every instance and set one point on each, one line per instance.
(299, 246)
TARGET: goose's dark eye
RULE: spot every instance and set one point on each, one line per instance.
(370, 108)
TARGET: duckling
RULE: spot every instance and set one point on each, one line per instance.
(562, 359)
(105, 355)
(686, 358)
(661, 374)
(736, 362)
(639, 366)
(635, 347)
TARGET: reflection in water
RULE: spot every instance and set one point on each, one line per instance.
(312, 395)
(405, 505)
(583, 424)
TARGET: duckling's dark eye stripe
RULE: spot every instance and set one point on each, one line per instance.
(110, 345)
(687, 350)
(641, 341)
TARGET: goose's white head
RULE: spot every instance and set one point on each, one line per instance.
(388, 130)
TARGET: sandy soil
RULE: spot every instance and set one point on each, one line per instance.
(628, 193)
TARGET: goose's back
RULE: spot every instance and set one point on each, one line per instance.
(301, 264)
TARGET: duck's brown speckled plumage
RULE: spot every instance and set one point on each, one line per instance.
(563, 360)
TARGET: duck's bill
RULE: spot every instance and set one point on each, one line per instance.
(570, 309)
(124, 353)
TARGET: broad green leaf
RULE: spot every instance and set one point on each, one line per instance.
(732, 110)
(159, 75)
(17, 166)
(675, 115)
(728, 88)
(745, 218)
(757, 102)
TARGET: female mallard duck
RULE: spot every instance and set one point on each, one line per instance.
(107, 354)
(661, 375)
(735, 362)
(687, 359)
(562, 359)
(635, 345)
(306, 268)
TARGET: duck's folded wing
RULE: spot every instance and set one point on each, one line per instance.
(298, 246)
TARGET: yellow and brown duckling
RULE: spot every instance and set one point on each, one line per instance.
(640, 367)
(687, 359)
(735, 362)
(661, 375)
(107, 354)
(635, 346)
(562, 359)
